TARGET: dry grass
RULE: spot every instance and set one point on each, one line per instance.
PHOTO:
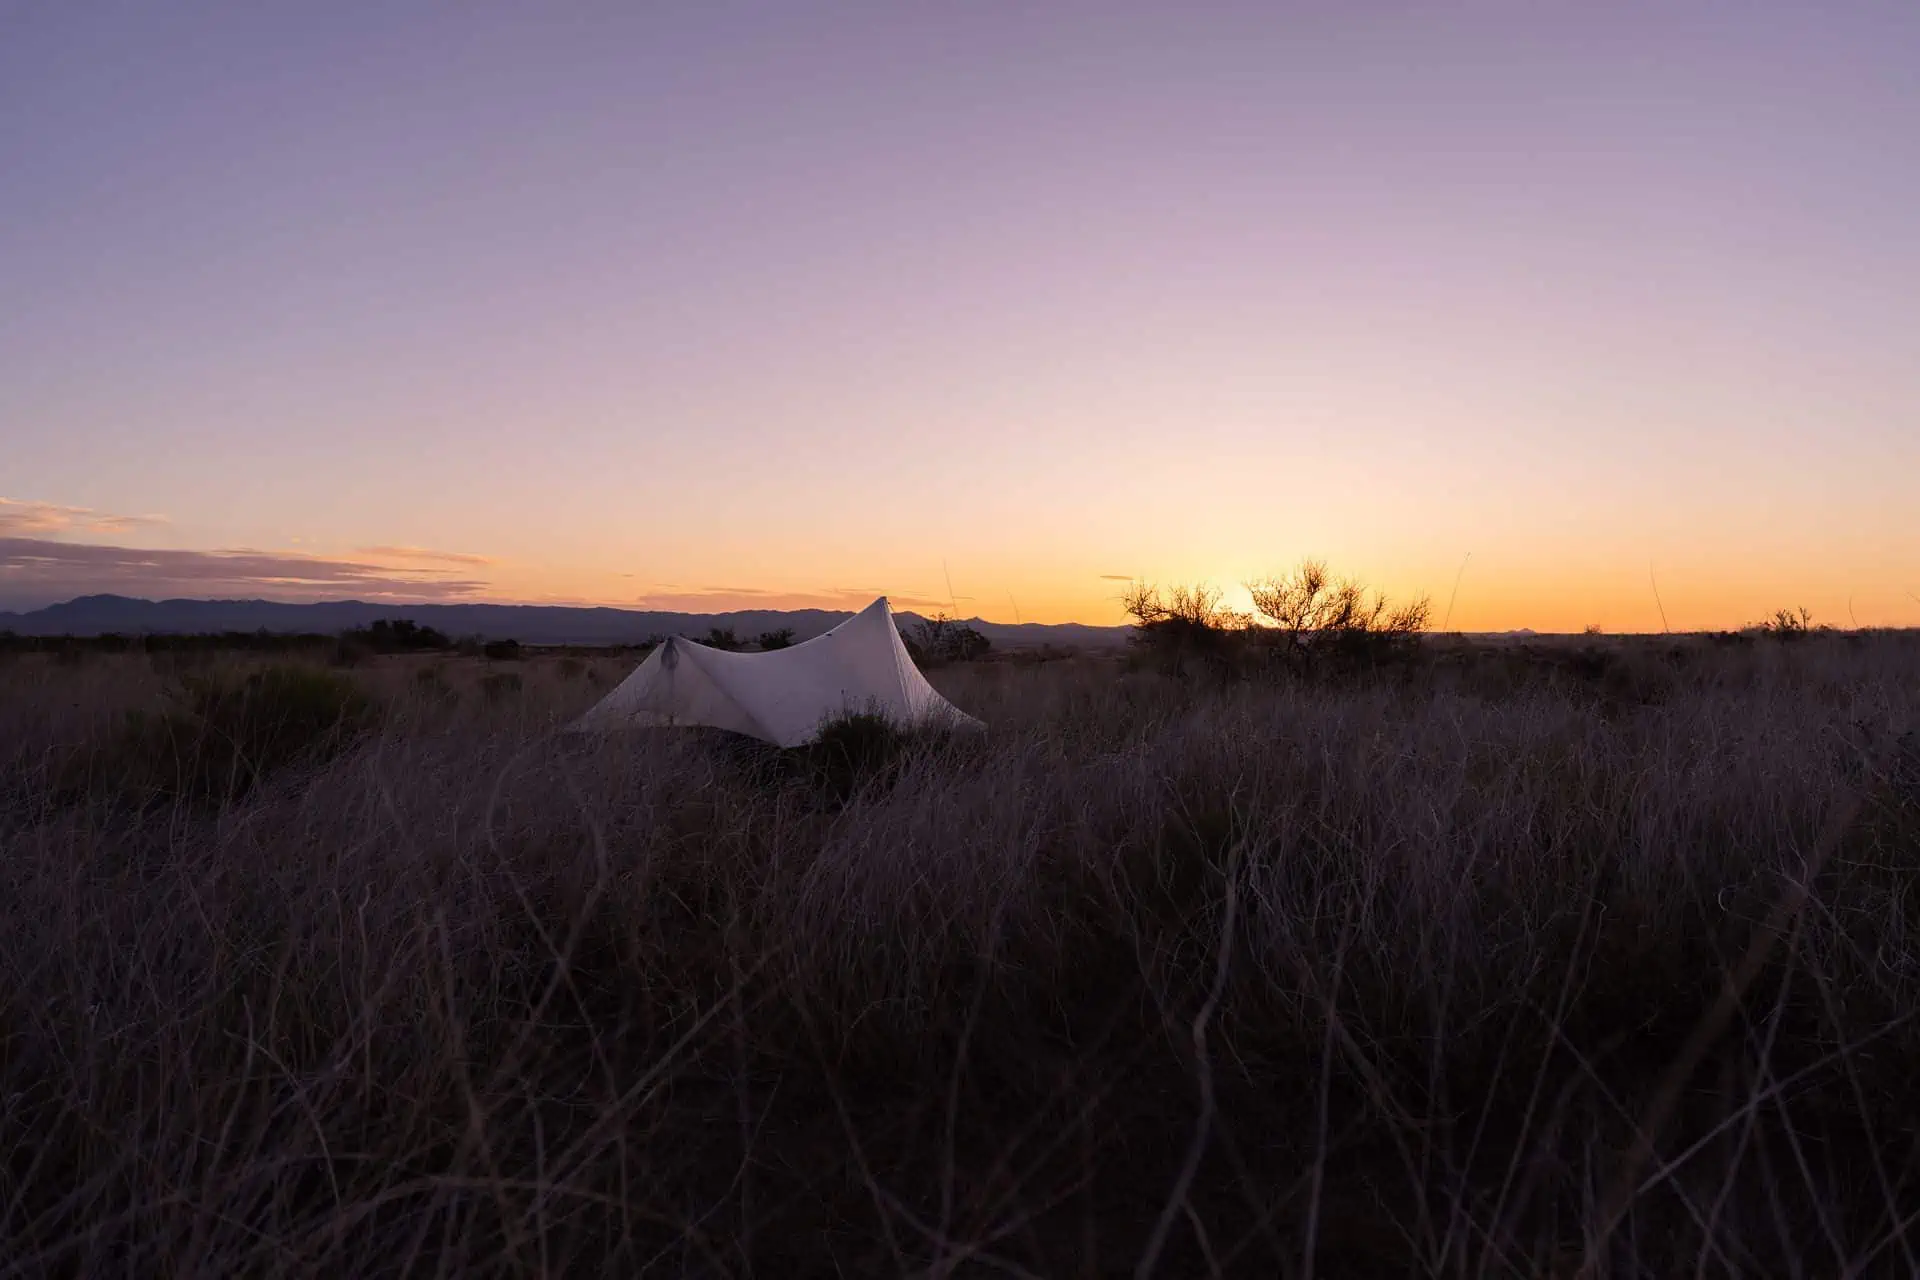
(1261, 978)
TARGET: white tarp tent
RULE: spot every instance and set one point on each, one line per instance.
(783, 696)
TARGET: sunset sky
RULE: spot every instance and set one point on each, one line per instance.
(712, 305)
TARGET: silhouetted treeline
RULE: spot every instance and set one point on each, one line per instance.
(220, 641)
(397, 635)
(384, 636)
(388, 635)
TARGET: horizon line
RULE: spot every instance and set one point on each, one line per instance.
(23, 612)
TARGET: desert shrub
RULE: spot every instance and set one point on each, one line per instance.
(397, 635)
(771, 640)
(1185, 629)
(939, 640)
(1789, 624)
(852, 752)
(1318, 625)
(501, 651)
(498, 686)
(721, 638)
(221, 735)
(1305, 623)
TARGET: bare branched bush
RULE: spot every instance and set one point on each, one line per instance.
(1312, 620)
(1789, 624)
(1183, 629)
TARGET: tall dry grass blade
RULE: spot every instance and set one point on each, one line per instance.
(1177, 1199)
(1780, 921)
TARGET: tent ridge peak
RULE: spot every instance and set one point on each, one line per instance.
(781, 695)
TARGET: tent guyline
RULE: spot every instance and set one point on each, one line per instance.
(785, 696)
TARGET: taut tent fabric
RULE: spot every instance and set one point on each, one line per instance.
(783, 696)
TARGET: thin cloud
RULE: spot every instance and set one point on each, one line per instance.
(1117, 577)
(36, 517)
(43, 570)
(424, 553)
(123, 524)
(18, 517)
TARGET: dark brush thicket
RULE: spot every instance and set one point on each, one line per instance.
(210, 642)
(939, 640)
(397, 635)
(1305, 623)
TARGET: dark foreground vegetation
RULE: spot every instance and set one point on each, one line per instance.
(1474, 961)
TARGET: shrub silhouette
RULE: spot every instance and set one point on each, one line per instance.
(852, 752)
(1185, 629)
(501, 650)
(1790, 624)
(721, 638)
(771, 640)
(938, 640)
(1305, 622)
(1314, 622)
(397, 635)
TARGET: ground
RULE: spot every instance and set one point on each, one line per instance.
(1496, 962)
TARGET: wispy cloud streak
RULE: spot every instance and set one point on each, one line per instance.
(23, 517)
(40, 570)
(423, 553)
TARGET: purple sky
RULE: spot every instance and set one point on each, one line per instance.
(619, 302)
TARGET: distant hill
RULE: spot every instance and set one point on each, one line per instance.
(529, 624)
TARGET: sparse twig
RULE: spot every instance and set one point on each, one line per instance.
(1779, 923)
(1177, 1198)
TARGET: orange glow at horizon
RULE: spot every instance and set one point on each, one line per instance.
(1684, 596)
